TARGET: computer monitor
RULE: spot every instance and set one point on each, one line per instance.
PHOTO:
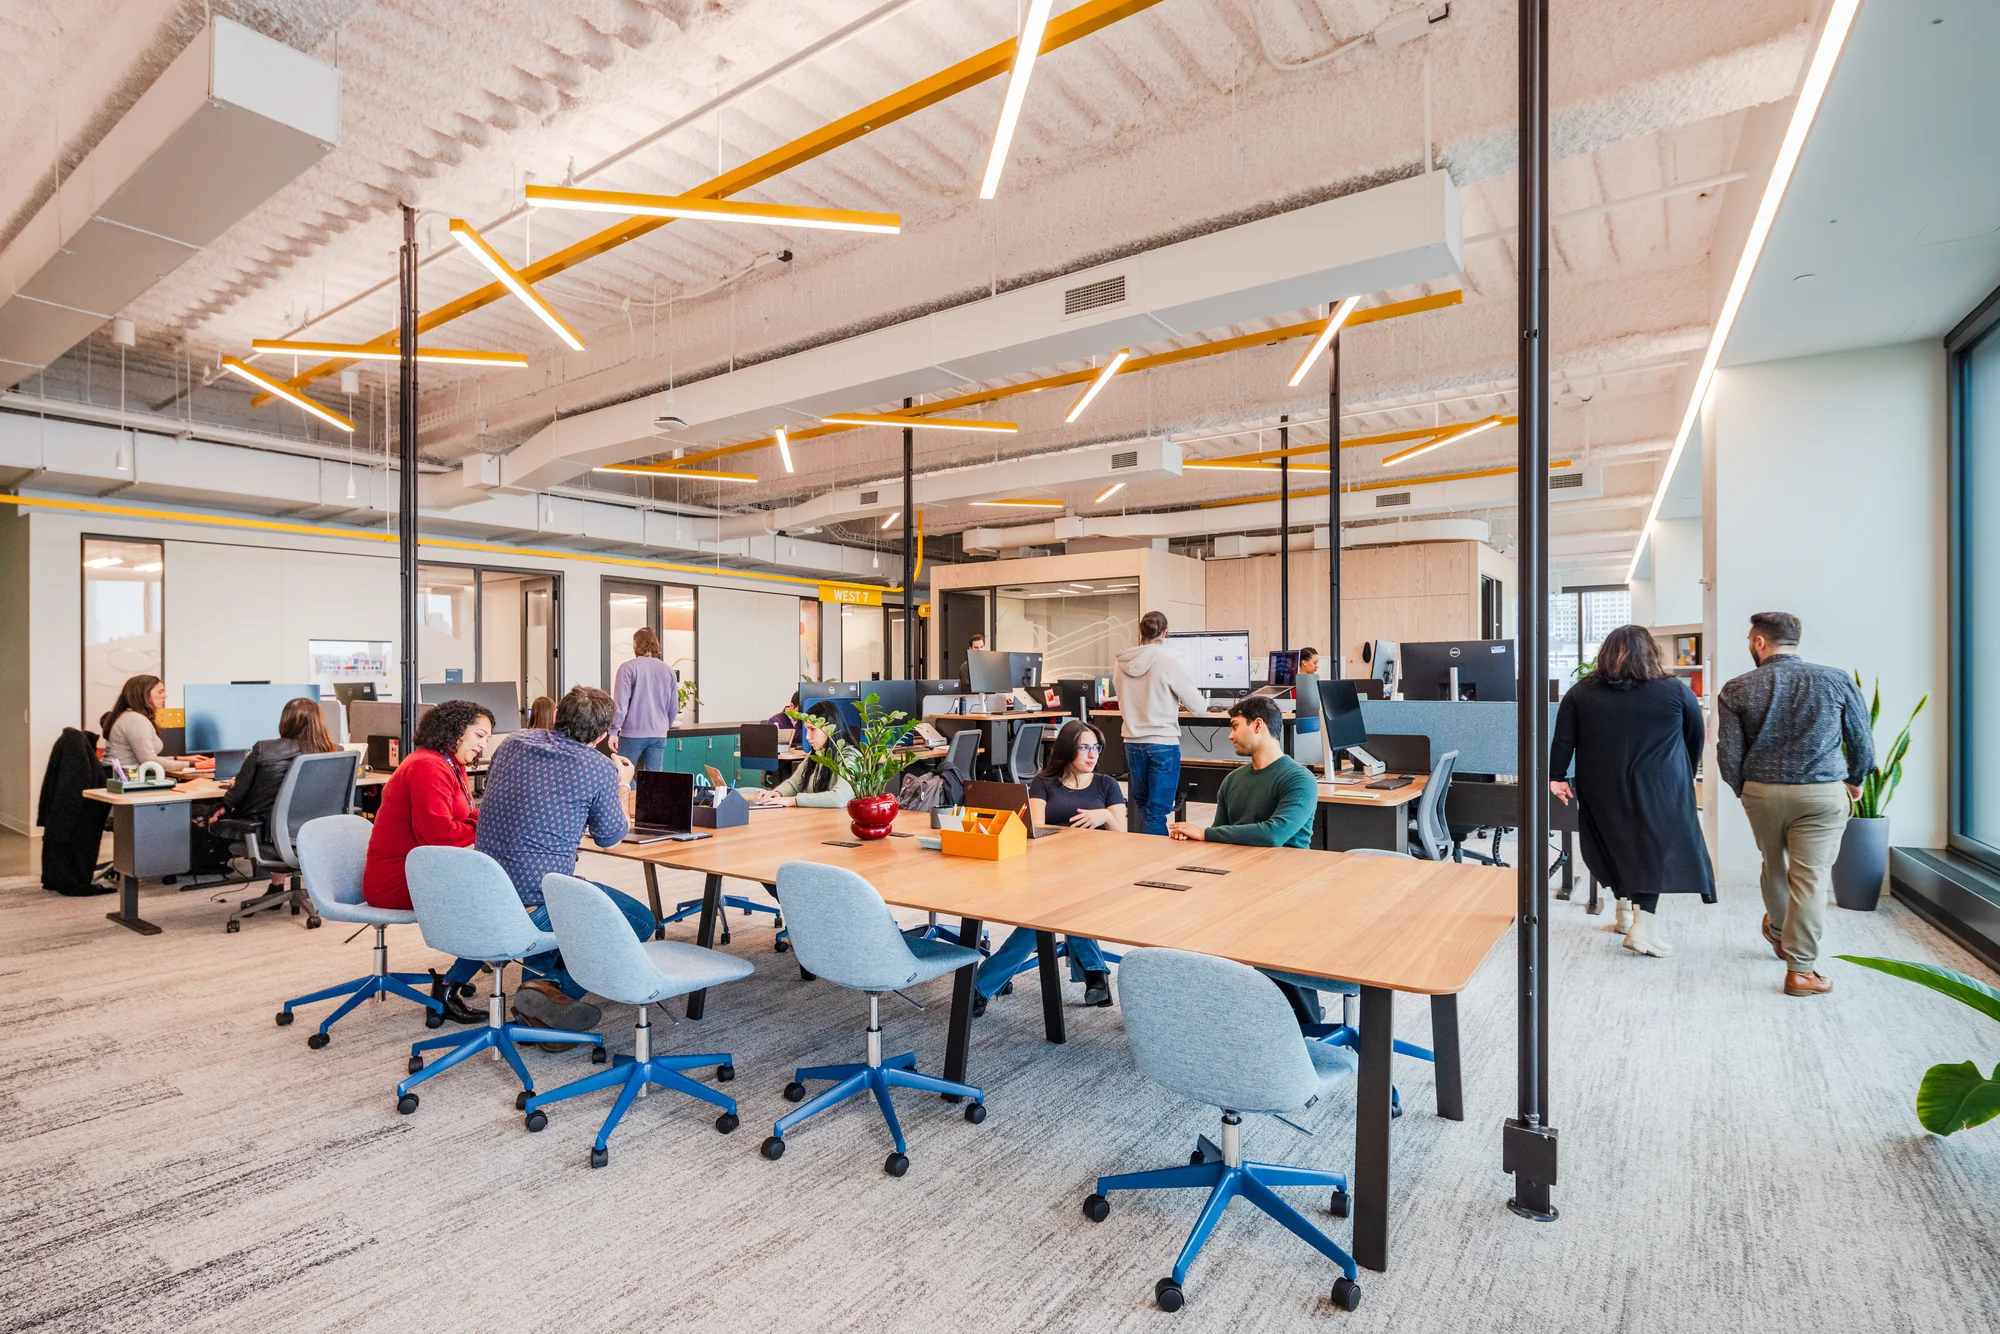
(988, 672)
(1284, 668)
(938, 687)
(349, 691)
(1340, 714)
(1382, 662)
(500, 698)
(757, 741)
(1024, 669)
(839, 697)
(1217, 660)
(1485, 669)
(664, 800)
(236, 717)
(895, 697)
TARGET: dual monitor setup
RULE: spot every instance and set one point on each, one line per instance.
(227, 720)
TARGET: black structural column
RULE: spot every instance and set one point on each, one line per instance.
(406, 453)
(909, 552)
(1528, 1142)
(1334, 666)
(1284, 534)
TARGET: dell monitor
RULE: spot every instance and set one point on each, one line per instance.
(236, 717)
(988, 672)
(1485, 669)
(1217, 661)
(895, 697)
(1284, 668)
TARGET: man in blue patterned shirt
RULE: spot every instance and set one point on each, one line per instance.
(544, 791)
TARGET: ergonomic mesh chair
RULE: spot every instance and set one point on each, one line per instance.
(315, 787)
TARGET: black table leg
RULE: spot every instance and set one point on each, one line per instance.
(128, 908)
(1052, 1002)
(704, 936)
(1371, 1130)
(1444, 1046)
(1596, 905)
(1568, 865)
(653, 898)
(961, 1010)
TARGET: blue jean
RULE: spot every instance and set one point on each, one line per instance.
(549, 963)
(1085, 956)
(1154, 779)
(645, 752)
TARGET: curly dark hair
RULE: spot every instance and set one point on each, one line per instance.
(444, 726)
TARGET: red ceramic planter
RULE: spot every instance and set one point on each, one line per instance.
(872, 817)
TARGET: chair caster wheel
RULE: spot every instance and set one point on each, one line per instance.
(1169, 1295)
(521, 1099)
(312, 923)
(232, 927)
(284, 1018)
(407, 1103)
(433, 1019)
(1346, 1293)
(1096, 1208)
(1007, 990)
(1337, 1206)
(782, 947)
(725, 1073)
(598, 1056)
(806, 975)
(318, 1040)
(1195, 1159)
(726, 1122)
(774, 1148)
(795, 1092)
(975, 1112)
(416, 1064)
(535, 1121)
(896, 1164)
(599, 1157)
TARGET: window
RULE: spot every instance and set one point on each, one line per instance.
(122, 585)
(489, 625)
(1579, 619)
(1077, 627)
(1974, 352)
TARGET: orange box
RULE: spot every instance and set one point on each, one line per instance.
(1004, 836)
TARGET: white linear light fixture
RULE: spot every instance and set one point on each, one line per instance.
(784, 448)
(286, 392)
(893, 516)
(1108, 492)
(1026, 49)
(1320, 344)
(712, 210)
(1819, 72)
(489, 258)
(1110, 369)
(1021, 504)
(451, 356)
(1451, 436)
(920, 423)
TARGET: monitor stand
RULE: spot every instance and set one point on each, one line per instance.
(1360, 759)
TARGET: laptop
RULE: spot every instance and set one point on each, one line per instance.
(663, 808)
(1007, 797)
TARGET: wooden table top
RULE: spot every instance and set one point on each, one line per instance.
(997, 717)
(198, 789)
(1412, 926)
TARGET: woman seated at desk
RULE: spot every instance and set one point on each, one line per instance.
(131, 731)
(253, 794)
(811, 783)
(1068, 791)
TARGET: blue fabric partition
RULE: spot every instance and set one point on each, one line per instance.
(1481, 731)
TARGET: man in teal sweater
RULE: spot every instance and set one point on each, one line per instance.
(1267, 803)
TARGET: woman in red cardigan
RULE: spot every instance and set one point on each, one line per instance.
(428, 802)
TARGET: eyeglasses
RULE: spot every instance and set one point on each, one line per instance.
(1089, 750)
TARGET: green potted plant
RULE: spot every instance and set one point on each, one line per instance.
(868, 762)
(1863, 863)
(1951, 1097)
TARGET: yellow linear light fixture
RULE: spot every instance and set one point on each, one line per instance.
(784, 449)
(1119, 358)
(659, 470)
(1026, 47)
(713, 210)
(296, 399)
(920, 423)
(1451, 436)
(1812, 89)
(1347, 442)
(1507, 471)
(1319, 344)
(1231, 465)
(893, 516)
(1022, 504)
(451, 356)
(1108, 492)
(476, 246)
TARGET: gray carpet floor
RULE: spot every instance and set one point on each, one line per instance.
(1733, 1159)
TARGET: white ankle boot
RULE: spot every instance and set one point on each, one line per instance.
(1645, 937)
(1626, 912)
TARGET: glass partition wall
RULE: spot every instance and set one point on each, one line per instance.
(1077, 627)
(666, 609)
(490, 625)
(122, 586)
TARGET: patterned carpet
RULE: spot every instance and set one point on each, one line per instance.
(1732, 1159)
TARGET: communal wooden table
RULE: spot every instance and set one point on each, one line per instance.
(1389, 925)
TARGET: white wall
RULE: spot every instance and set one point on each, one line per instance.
(1830, 480)
(1676, 583)
(749, 651)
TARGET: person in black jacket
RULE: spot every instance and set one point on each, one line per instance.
(1635, 733)
(72, 827)
(253, 794)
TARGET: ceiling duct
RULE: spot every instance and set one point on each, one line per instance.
(235, 118)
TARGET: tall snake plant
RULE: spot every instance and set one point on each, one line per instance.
(1880, 785)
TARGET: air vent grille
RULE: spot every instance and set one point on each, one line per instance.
(1391, 499)
(1565, 481)
(1103, 292)
(870, 497)
(1128, 459)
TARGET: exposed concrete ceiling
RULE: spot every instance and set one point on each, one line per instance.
(1171, 123)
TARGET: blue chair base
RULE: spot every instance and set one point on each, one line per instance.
(898, 1072)
(1340, 1035)
(361, 989)
(631, 1077)
(1062, 952)
(464, 1046)
(1248, 1180)
(689, 907)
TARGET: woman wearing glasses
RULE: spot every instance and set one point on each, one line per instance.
(1068, 791)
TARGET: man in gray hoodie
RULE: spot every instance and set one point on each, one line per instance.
(1152, 689)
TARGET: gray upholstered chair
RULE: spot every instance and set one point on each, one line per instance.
(467, 906)
(1219, 1032)
(1429, 829)
(844, 933)
(1024, 757)
(961, 754)
(332, 852)
(600, 952)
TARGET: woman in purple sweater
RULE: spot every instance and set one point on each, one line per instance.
(643, 701)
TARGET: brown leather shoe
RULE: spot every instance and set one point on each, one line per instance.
(1806, 984)
(1777, 941)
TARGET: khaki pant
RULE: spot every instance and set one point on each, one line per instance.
(1798, 828)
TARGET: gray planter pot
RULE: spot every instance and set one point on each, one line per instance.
(1863, 863)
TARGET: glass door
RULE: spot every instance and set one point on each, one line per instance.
(122, 583)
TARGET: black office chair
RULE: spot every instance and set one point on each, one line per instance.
(1430, 835)
(1461, 833)
(1024, 759)
(314, 786)
(962, 754)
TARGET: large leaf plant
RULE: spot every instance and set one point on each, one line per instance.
(870, 763)
(1880, 784)
(1951, 1097)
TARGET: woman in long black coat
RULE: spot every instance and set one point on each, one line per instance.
(1635, 733)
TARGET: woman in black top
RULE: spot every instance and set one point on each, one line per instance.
(1635, 733)
(1068, 791)
(254, 792)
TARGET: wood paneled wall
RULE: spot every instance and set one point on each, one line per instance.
(1416, 591)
